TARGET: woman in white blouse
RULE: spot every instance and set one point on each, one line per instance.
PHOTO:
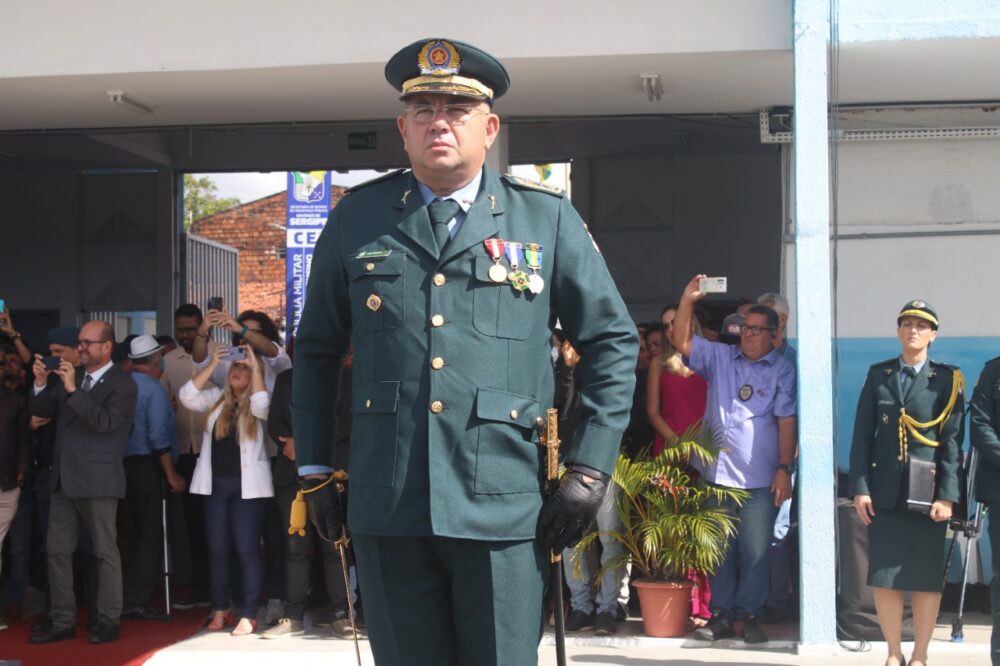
(234, 471)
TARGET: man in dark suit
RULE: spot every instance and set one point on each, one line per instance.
(94, 406)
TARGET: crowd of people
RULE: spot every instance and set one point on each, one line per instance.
(207, 429)
(731, 384)
(105, 443)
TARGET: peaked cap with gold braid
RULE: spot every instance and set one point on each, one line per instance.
(920, 310)
(446, 67)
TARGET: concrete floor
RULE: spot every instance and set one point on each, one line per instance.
(628, 648)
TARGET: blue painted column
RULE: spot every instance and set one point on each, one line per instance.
(811, 30)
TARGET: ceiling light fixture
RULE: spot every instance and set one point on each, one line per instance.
(651, 85)
(120, 98)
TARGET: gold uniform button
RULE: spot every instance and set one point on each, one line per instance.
(539, 421)
(437, 321)
(437, 407)
(368, 403)
(513, 414)
(437, 363)
(439, 279)
(369, 266)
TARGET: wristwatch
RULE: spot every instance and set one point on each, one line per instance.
(786, 468)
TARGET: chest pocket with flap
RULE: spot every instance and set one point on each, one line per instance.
(376, 291)
(499, 310)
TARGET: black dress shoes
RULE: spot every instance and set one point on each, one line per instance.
(52, 634)
(104, 632)
(142, 613)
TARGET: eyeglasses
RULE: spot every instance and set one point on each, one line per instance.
(86, 343)
(754, 330)
(453, 114)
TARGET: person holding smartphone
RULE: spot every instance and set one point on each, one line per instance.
(252, 328)
(234, 472)
(7, 328)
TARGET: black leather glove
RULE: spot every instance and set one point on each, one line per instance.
(569, 512)
(326, 510)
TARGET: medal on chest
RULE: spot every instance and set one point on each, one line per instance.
(515, 255)
(533, 258)
(495, 248)
(745, 392)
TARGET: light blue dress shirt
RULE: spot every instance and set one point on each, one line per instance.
(746, 430)
(465, 196)
(153, 428)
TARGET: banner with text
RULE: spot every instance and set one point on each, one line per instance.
(308, 207)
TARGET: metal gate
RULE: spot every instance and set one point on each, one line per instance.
(211, 269)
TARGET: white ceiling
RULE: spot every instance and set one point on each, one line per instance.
(44, 117)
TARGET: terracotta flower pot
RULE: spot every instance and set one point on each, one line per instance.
(665, 606)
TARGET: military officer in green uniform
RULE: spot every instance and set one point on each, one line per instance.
(449, 278)
(911, 408)
(984, 424)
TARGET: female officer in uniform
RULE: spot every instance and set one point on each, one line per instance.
(910, 409)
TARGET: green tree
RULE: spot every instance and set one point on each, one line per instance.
(201, 199)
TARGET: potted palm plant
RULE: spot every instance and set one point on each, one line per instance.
(671, 523)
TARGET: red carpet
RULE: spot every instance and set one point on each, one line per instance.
(139, 641)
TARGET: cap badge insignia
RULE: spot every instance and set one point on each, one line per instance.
(745, 392)
(439, 58)
(918, 304)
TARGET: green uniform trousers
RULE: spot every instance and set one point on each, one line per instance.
(446, 602)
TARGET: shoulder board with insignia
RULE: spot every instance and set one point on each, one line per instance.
(379, 179)
(533, 185)
(939, 364)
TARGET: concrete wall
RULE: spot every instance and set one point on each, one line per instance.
(915, 219)
(890, 20)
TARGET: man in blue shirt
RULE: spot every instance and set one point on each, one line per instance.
(750, 416)
(152, 446)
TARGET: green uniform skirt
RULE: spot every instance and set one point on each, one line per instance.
(905, 551)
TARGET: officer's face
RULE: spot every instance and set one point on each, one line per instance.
(915, 334)
(447, 153)
(752, 345)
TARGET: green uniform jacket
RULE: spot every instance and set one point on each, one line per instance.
(984, 422)
(452, 370)
(875, 467)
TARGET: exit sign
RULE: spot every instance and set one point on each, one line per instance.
(361, 141)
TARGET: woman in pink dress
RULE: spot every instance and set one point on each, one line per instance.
(675, 405)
